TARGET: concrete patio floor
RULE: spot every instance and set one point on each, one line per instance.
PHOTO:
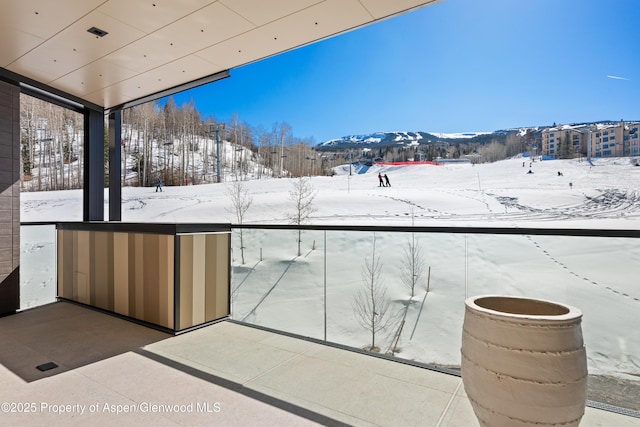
(115, 372)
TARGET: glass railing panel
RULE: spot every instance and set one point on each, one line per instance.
(426, 327)
(276, 286)
(595, 274)
(517, 265)
(37, 265)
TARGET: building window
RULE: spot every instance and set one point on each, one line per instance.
(605, 139)
(612, 137)
(606, 132)
(606, 153)
(597, 135)
(551, 135)
(551, 145)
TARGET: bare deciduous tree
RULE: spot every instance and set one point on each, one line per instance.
(412, 264)
(241, 201)
(370, 304)
(302, 194)
(48, 133)
(493, 152)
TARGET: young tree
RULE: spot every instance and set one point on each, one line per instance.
(370, 304)
(241, 201)
(302, 194)
(412, 264)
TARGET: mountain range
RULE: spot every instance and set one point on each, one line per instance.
(406, 138)
(421, 138)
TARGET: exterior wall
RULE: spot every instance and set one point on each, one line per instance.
(549, 141)
(608, 141)
(616, 140)
(579, 142)
(632, 140)
(9, 198)
(551, 138)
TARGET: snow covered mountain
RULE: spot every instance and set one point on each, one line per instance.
(399, 138)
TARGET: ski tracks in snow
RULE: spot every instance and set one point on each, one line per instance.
(573, 273)
(138, 203)
(608, 203)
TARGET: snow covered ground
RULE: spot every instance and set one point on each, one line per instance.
(277, 288)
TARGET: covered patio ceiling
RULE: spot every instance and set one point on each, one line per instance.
(114, 53)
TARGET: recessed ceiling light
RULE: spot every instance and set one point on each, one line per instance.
(97, 32)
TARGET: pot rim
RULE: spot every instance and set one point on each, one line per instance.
(569, 314)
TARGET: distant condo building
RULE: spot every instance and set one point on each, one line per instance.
(607, 140)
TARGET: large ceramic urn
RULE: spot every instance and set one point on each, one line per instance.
(523, 362)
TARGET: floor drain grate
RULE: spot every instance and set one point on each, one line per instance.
(47, 366)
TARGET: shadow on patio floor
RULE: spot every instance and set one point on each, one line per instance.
(68, 335)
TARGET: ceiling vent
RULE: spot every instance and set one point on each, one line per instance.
(97, 32)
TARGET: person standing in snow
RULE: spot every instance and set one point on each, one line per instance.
(386, 178)
(159, 185)
(381, 182)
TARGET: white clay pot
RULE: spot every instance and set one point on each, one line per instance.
(523, 362)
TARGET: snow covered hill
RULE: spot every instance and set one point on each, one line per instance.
(501, 193)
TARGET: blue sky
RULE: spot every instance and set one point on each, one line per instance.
(457, 66)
